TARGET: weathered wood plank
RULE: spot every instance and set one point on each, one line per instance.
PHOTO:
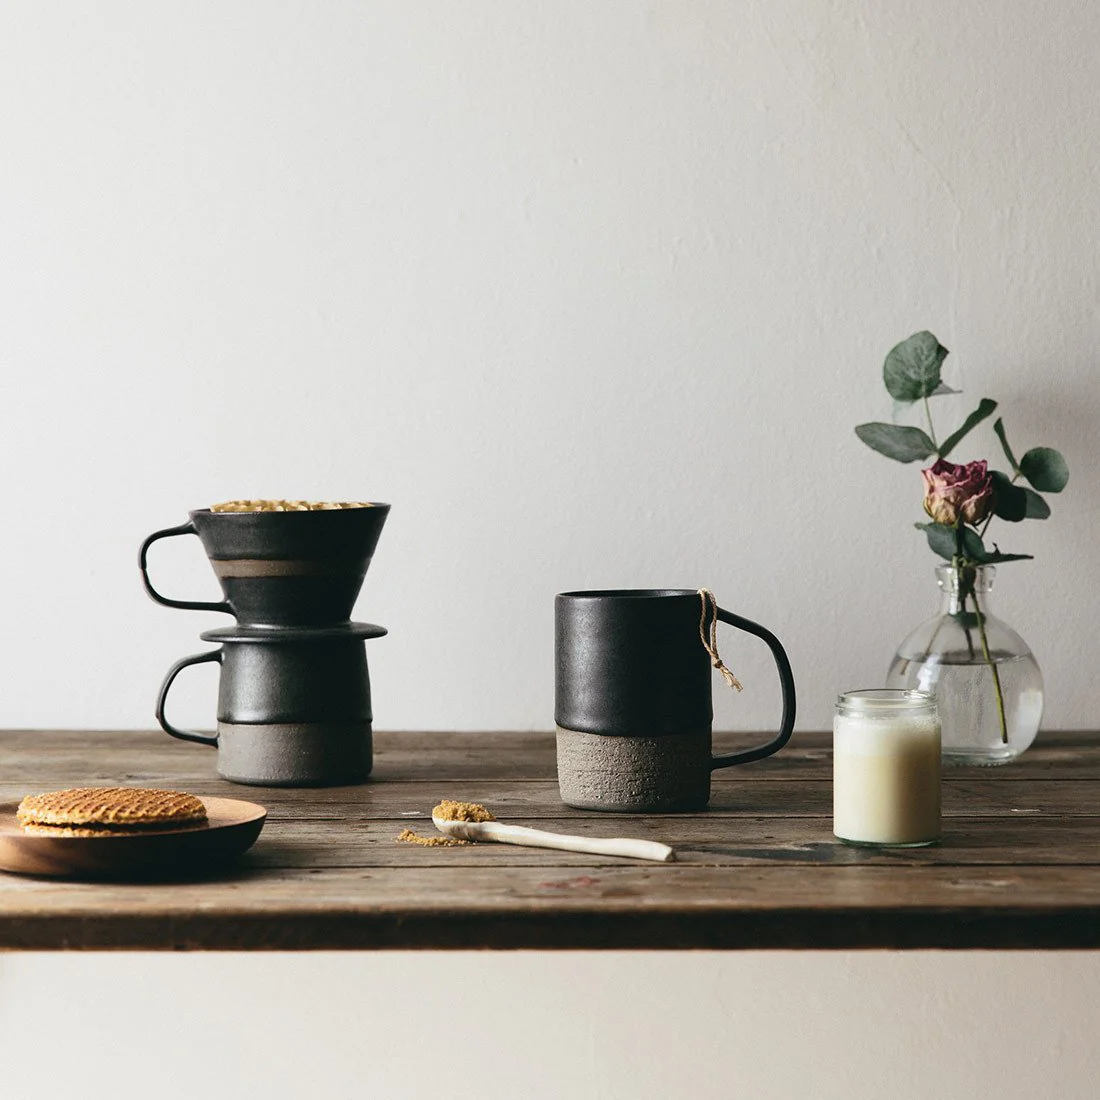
(631, 907)
(252, 889)
(140, 756)
(518, 800)
(712, 841)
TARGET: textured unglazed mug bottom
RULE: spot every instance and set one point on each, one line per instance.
(295, 754)
(664, 774)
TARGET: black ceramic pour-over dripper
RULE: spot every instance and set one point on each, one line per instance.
(281, 568)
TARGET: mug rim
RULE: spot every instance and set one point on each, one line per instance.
(628, 593)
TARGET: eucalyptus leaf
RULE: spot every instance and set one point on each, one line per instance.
(896, 441)
(985, 409)
(1046, 469)
(912, 368)
(972, 545)
(941, 538)
(996, 556)
(975, 550)
(942, 390)
(1009, 501)
(1037, 508)
(999, 428)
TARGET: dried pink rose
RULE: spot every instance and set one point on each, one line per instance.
(957, 492)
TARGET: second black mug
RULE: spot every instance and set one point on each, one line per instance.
(633, 698)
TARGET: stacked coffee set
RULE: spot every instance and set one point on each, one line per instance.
(294, 701)
(633, 677)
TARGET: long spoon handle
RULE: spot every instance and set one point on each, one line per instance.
(537, 838)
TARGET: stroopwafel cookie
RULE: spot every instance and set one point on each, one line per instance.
(106, 811)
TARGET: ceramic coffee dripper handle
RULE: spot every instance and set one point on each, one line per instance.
(786, 681)
(173, 672)
(143, 560)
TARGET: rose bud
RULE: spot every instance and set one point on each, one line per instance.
(957, 492)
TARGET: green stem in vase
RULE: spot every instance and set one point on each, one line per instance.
(993, 667)
(965, 578)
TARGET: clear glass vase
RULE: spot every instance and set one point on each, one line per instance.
(987, 683)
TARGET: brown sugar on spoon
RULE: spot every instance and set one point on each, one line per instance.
(462, 811)
(109, 811)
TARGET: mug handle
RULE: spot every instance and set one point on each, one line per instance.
(786, 681)
(143, 561)
(173, 672)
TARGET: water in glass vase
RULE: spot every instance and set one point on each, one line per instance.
(987, 683)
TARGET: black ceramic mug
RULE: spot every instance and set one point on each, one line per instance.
(294, 706)
(633, 699)
(281, 568)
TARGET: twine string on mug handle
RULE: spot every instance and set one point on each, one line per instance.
(710, 644)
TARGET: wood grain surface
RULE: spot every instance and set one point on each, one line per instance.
(1019, 865)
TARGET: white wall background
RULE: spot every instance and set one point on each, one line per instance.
(594, 295)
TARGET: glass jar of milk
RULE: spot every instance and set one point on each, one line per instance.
(886, 768)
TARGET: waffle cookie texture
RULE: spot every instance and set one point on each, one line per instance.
(96, 811)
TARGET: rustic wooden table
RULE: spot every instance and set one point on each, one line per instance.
(1019, 866)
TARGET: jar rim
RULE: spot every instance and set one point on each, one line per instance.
(885, 701)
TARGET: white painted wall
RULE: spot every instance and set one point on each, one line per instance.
(594, 294)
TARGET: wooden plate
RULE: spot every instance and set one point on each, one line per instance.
(232, 827)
